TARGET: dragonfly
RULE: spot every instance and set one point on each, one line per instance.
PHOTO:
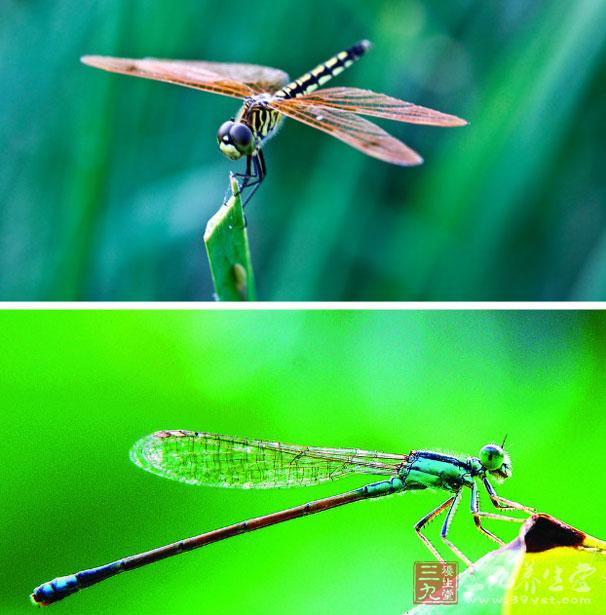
(269, 96)
(199, 458)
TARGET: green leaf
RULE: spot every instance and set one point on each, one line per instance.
(549, 568)
(226, 241)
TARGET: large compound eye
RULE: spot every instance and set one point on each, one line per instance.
(492, 457)
(224, 130)
(241, 135)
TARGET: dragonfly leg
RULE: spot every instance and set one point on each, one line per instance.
(255, 174)
(248, 173)
(426, 519)
(445, 527)
(477, 514)
(245, 177)
(502, 503)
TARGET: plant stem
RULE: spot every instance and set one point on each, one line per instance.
(226, 241)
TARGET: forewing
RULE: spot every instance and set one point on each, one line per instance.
(236, 80)
(353, 130)
(223, 461)
(367, 102)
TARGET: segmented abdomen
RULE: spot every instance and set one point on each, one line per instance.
(324, 72)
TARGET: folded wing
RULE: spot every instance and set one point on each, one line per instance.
(223, 461)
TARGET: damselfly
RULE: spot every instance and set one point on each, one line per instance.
(268, 96)
(222, 461)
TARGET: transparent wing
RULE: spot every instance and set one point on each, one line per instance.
(222, 461)
(236, 80)
(367, 102)
(348, 127)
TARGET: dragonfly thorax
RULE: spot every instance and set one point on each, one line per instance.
(236, 139)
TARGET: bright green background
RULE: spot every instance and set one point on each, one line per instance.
(79, 388)
(107, 181)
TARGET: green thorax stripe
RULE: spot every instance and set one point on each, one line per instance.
(324, 72)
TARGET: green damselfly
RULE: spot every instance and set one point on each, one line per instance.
(221, 461)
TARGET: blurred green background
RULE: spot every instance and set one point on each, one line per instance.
(107, 181)
(79, 388)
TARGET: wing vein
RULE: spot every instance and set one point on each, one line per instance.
(351, 129)
(367, 102)
(215, 460)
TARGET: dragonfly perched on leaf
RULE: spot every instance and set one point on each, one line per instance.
(215, 460)
(269, 96)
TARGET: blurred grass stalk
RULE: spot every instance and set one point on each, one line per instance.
(477, 193)
(226, 241)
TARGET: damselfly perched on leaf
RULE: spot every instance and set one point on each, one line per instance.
(222, 461)
(268, 96)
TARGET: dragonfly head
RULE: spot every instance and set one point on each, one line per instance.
(495, 461)
(235, 139)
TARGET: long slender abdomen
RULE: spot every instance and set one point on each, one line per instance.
(61, 587)
(324, 72)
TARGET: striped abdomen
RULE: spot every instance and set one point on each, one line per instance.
(324, 72)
